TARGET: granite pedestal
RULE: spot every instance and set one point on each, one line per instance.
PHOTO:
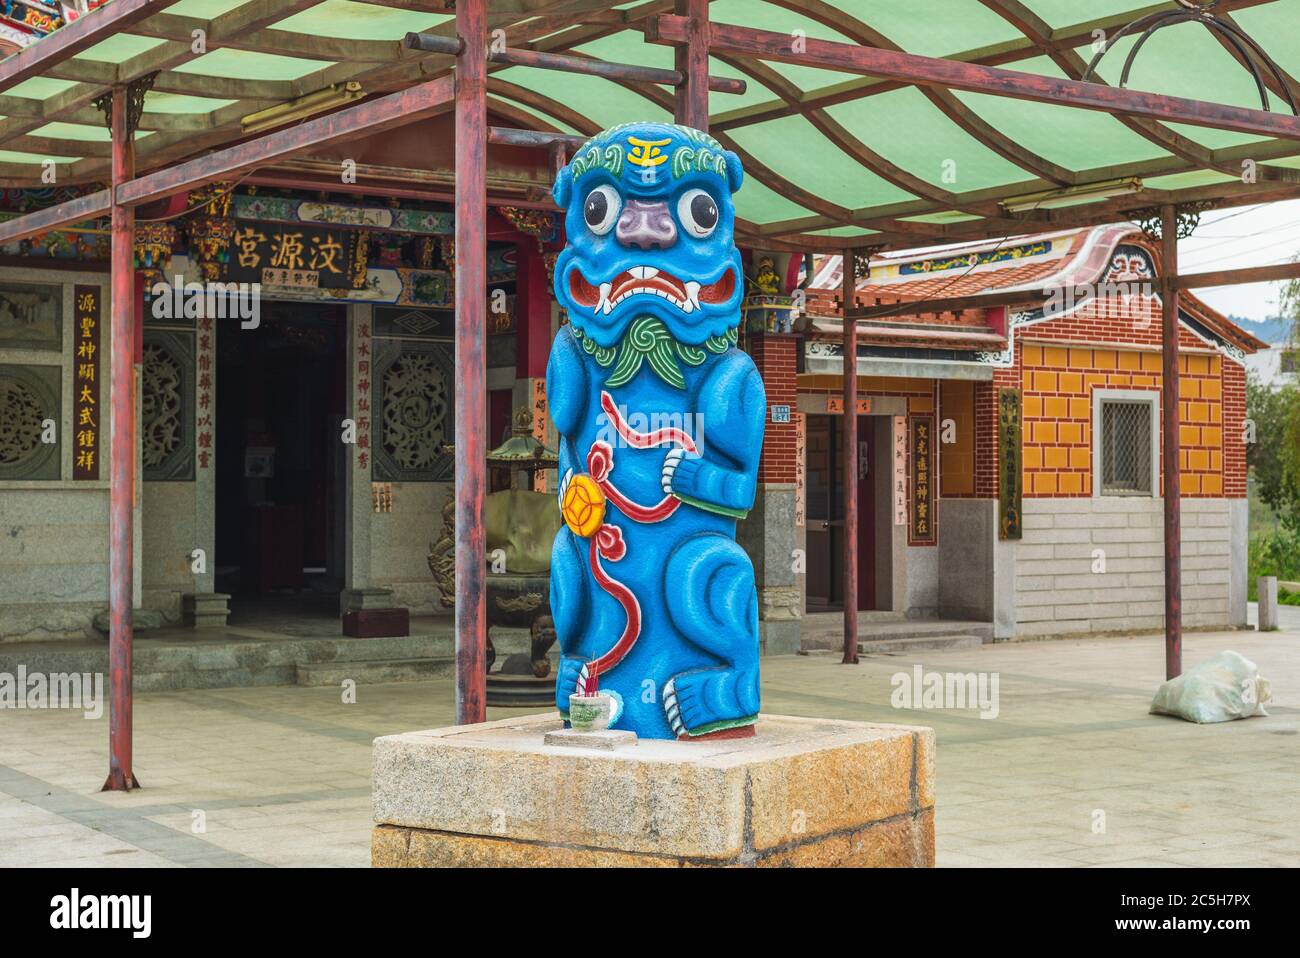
(803, 791)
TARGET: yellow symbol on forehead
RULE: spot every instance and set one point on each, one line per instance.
(647, 152)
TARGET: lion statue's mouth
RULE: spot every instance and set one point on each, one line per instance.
(649, 281)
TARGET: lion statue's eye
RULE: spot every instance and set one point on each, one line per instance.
(600, 211)
(698, 212)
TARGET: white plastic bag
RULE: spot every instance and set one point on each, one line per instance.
(1221, 689)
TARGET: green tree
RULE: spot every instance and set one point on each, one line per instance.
(1273, 456)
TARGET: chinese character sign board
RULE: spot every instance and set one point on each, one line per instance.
(204, 406)
(85, 460)
(835, 405)
(1010, 482)
(900, 470)
(539, 428)
(281, 254)
(920, 531)
(361, 401)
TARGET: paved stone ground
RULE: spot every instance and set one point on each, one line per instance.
(280, 776)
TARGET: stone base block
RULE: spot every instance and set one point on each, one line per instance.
(1266, 590)
(780, 636)
(355, 599)
(377, 623)
(810, 792)
(141, 620)
(206, 610)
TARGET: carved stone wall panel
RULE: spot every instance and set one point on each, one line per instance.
(167, 406)
(31, 316)
(29, 395)
(402, 323)
(412, 399)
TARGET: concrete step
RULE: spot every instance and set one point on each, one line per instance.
(375, 672)
(827, 632)
(918, 643)
(237, 658)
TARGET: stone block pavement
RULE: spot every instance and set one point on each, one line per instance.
(1071, 772)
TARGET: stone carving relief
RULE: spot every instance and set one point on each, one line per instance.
(413, 395)
(29, 395)
(31, 316)
(166, 406)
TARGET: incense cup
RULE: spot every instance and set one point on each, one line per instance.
(589, 713)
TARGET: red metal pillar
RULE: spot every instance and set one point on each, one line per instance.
(850, 455)
(121, 492)
(1173, 486)
(471, 365)
(533, 312)
(692, 60)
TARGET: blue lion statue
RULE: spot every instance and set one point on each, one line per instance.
(661, 426)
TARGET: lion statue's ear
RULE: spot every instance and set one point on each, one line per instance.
(563, 187)
(735, 174)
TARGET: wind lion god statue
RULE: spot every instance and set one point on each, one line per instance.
(661, 419)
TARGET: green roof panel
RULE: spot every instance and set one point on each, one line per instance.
(155, 102)
(760, 204)
(1069, 137)
(1067, 13)
(251, 65)
(360, 21)
(40, 88)
(120, 48)
(911, 132)
(767, 16)
(933, 28)
(794, 149)
(596, 99)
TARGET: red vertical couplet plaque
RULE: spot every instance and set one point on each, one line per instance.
(539, 429)
(1010, 464)
(920, 530)
(203, 420)
(900, 470)
(85, 453)
(362, 399)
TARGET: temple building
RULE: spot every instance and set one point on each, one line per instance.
(1009, 457)
(293, 445)
(300, 452)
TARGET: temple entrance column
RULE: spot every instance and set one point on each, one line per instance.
(768, 532)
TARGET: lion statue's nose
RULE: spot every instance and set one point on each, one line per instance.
(646, 225)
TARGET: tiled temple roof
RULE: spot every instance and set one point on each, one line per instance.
(1067, 258)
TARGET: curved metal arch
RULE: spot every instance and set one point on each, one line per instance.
(1176, 144)
(1250, 53)
(1279, 75)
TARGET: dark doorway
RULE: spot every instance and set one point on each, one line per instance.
(824, 476)
(279, 484)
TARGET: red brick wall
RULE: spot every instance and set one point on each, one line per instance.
(986, 429)
(775, 358)
(1234, 417)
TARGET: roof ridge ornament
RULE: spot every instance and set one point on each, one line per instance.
(1201, 11)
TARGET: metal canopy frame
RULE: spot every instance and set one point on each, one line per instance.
(460, 75)
(536, 29)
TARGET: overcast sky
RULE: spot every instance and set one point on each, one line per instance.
(1247, 236)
